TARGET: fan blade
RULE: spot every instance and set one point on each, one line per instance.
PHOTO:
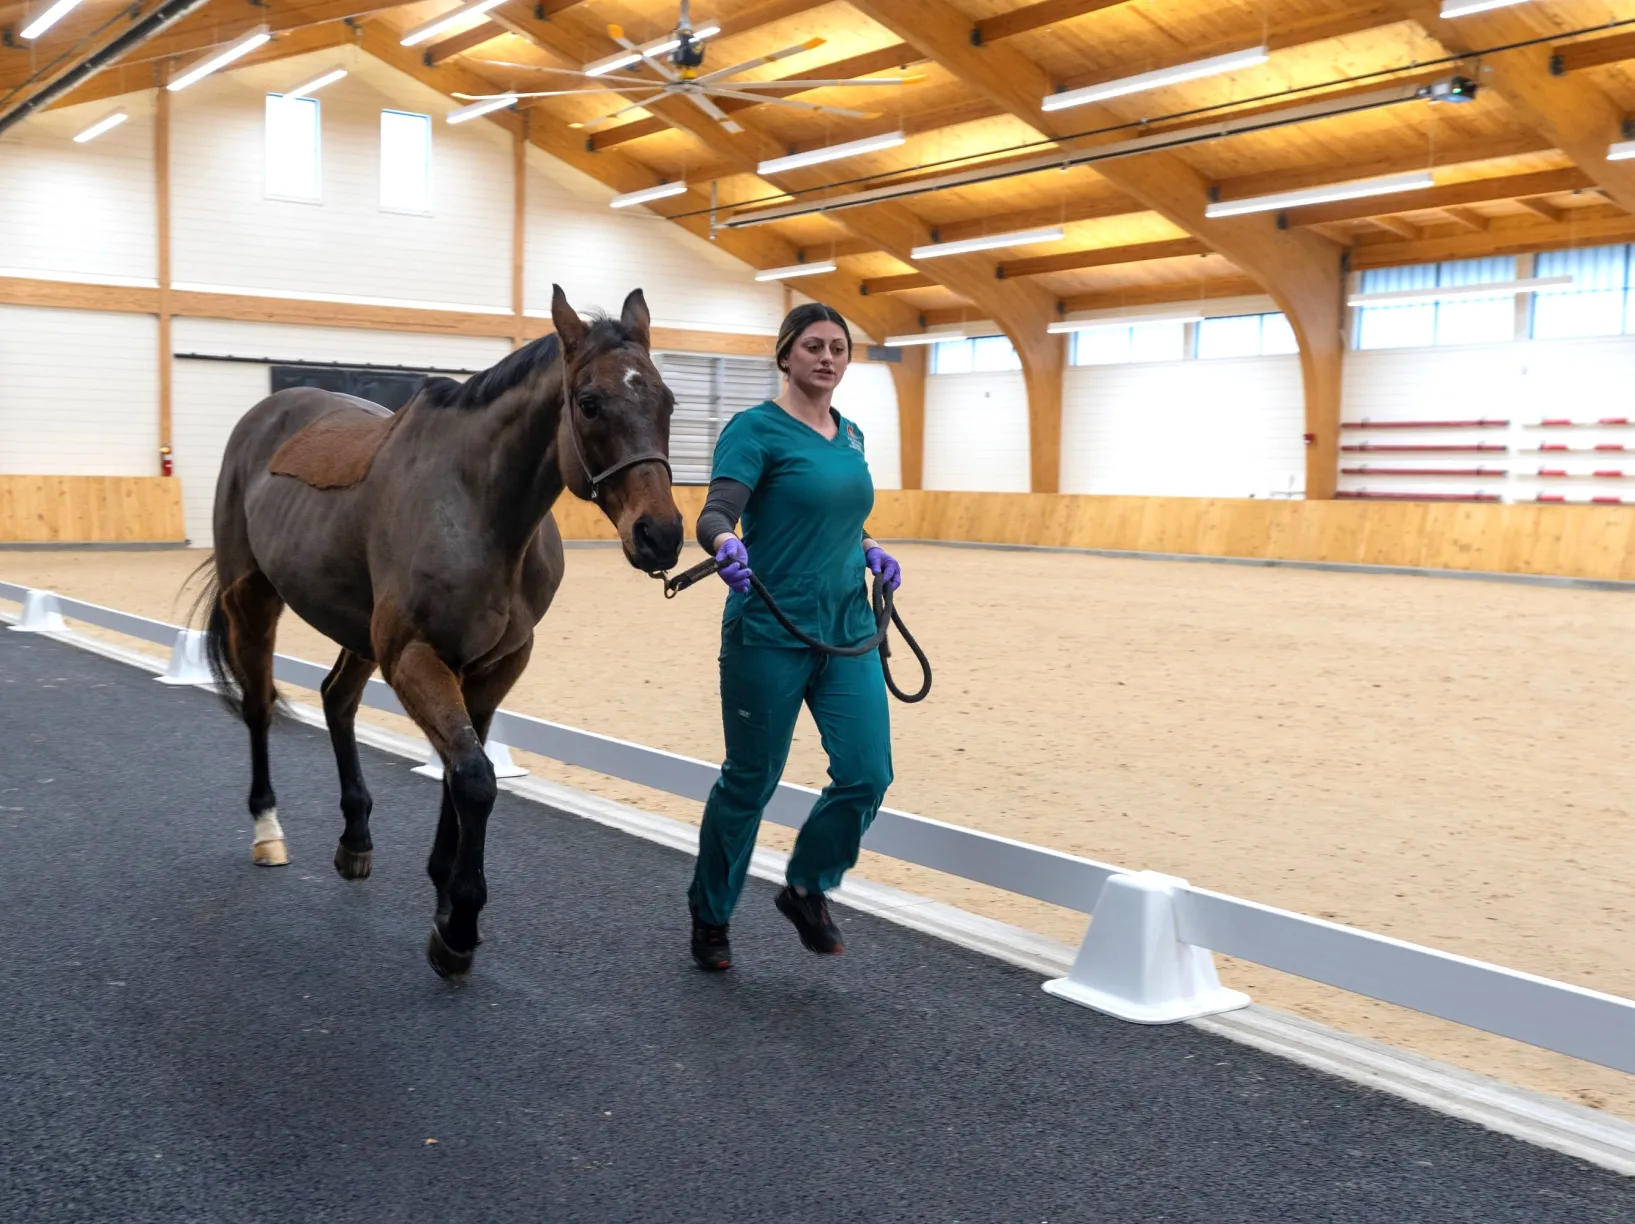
(549, 93)
(761, 99)
(617, 34)
(592, 125)
(605, 76)
(837, 82)
(811, 44)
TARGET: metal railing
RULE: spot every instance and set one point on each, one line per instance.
(1568, 1019)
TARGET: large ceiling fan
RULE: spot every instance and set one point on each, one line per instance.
(676, 60)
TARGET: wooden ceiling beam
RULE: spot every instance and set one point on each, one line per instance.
(1394, 225)
(1542, 209)
(1573, 113)
(1490, 148)
(1467, 219)
(1158, 295)
(876, 285)
(1591, 53)
(1475, 191)
(1500, 238)
(1300, 269)
(1102, 257)
(1034, 17)
(459, 44)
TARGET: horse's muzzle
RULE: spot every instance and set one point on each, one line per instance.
(655, 543)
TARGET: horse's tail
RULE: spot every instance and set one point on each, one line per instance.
(210, 608)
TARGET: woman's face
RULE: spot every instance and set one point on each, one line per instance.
(819, 358)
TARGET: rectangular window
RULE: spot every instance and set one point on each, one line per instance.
(981, 355)
(292, 160)
(1597, 303)
(1478, 320)
(1257, 335)
(405, 161)
(1117, 345)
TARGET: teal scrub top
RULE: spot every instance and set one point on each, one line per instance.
(803, 525)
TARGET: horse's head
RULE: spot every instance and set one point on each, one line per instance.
(614, 437)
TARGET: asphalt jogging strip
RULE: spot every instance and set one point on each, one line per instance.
(187, 1037)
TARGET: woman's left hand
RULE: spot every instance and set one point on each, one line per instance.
(883, 563)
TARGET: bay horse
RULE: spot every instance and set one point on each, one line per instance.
(422, 544)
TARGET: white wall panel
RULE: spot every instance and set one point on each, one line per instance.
(976, 433)
(228, 234)
(84, 211)
(79, 393)
(1226, 428)
(869, 397)
(599, 254)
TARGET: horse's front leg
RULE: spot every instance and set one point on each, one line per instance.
(430, 692)
(342, 690)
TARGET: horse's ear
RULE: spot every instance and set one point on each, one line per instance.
(635, 318)
(569, 325)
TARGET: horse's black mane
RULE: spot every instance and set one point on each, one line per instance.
(518, 367)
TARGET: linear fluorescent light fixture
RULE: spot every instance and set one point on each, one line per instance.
(935, 337)
(659, 46)
(453, 17)
(317, 83)
(1157, 79)
(988, 242)
(1464, 8)
(485, 107)
(813, 157)
(255, 38)
(101, 126)
(1624, 150)
(1322, 195)
(1414, 297)
(1078, 325)
(648, 194)
(790, 271)
(47, 19)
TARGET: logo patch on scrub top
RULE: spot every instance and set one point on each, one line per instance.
(852, 440)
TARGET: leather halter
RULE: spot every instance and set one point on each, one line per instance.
(596, 479)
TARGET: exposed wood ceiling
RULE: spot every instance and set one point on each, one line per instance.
(1522, 166)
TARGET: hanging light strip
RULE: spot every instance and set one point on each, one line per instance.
(935, 337)
(988, 242)
(1078, 325)
(221, 59)
(1214, 66)
(659, 46)
(790, 271)
(1464, 8)
(1322, 195)
(317, 83)
(101, 126)
(451, 18)
(486, 106)
(648, 194)
(1624, 150)
(813, 157)
(1414, 297)
(47, 19)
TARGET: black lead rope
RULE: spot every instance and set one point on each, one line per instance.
(885, 616)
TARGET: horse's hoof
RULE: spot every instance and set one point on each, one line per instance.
(354, 864)
(449, 964)
(269, 853)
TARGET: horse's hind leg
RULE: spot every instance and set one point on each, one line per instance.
(253, 608)
(342, 690)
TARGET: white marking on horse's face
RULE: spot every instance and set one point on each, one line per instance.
(631, 374)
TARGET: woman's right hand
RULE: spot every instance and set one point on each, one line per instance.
(733, 558)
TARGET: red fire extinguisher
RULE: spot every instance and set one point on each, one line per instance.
(164, 461)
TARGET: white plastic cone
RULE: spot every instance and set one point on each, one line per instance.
(40, 614)
(498, 754)
(1133, 964)
(187, 662)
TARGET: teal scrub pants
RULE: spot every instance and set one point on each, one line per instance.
(762, 688)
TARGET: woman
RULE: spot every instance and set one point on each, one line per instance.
(793, 468)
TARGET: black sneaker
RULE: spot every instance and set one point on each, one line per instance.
(711, 950)
(810, 914)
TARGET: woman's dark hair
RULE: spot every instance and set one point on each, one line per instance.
(802, 317)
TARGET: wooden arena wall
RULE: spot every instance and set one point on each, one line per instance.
(90, 509)
(1569, 541)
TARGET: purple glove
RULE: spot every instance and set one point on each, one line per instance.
(883, 563)
(733, 558)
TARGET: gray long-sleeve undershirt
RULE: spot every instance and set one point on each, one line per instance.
(723, 507)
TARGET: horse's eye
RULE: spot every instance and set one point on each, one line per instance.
(589, 403)
(669, 403)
